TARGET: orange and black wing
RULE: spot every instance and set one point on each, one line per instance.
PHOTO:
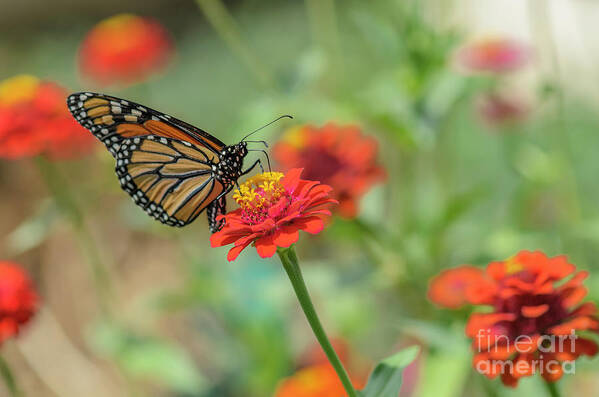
(113, 119)
(171, 179)
(214, 209)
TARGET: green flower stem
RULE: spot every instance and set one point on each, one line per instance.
(289, 261)
(8, 378)
(67, 203)
(224, 24)
(552, 389)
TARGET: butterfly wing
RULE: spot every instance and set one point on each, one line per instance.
(214, 209)
(113, 119)
(171, 179)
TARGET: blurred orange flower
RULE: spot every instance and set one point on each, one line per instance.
(124, 49)
(339, 156)
(273, 209)
(34, 120)
(492, 55)
(18, 300)
(314, 381)
(448, 289)
(536, 313)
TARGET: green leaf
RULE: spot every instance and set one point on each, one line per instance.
(385, 380)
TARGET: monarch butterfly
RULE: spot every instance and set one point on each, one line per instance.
(171, 169)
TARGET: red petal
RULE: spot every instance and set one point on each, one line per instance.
(265, 247)
(286, 236)
(577, 323)
(291, 179)
(534, 311)
(234, 252)
(311, 224)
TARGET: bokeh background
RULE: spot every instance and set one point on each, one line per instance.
(479, 166)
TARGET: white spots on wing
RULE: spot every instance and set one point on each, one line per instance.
(163, 140)
(117, 109)
(135, 112)
(82, 97)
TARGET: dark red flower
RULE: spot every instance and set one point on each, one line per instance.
(273, 209)
(124, 49)
(492, 54)
(34, 119)
(536, 312)
(339, 156)
(18, 300)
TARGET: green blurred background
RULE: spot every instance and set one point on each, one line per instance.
(176, 319)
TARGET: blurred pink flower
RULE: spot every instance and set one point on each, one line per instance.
(494, 55)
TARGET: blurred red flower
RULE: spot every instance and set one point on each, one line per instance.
(124, 49)
(18, 300)
(339, 156)
(497, 109)
(34, 119)
(273, 208)
(535, 315)
(494, 55)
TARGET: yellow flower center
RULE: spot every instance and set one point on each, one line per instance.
(256, 195)
(117, 22)
(513, 267)
(21, 88)
(295, 137)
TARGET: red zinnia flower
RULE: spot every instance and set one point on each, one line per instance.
(124, 49)
(34, 119)
(492, 55)
(18, 300)
(535, 315)
(339, 156)
(273, 208)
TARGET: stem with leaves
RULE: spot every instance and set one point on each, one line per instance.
(291, 266)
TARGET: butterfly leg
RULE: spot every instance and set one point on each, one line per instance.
(257, 162)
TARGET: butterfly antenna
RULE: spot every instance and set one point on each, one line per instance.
(266, 125)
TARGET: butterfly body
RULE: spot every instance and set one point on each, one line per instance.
(171, 169)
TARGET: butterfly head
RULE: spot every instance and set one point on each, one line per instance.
(241, 149)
